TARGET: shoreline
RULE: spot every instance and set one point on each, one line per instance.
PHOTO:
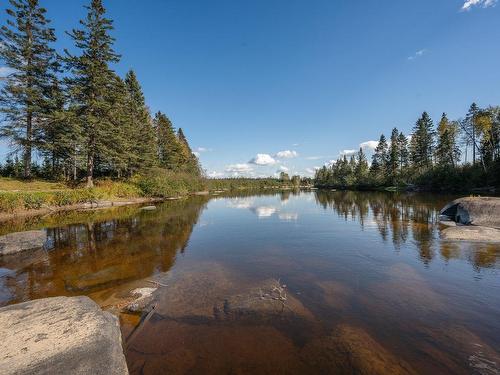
(110, 203)
(5, 216)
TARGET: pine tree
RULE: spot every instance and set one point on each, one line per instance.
(92, 83)
(394, 156)
(189, 161)
(422, 143)
(59, 133)
(116, 154)
(142, 132)
(380, 159)
(469, 128)
(447, 151)
(24, 97)
(169, 148)
(404, 154)
(361, 170)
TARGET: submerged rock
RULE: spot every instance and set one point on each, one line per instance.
(480, 211)
(351, 350)
(21, 241)
(142, 298)
(266, 300)
(60, 335)
(471, 233)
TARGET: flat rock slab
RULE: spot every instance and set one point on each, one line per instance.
(60, 335)
(471, 233)
(21, 241)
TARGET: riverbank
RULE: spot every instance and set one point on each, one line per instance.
(21, 198)
(413, 188)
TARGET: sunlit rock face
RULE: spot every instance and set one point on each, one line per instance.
(60, 335)
(477, 219)
(480, 211)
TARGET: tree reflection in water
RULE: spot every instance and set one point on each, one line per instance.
(100, 252)
(402, 217)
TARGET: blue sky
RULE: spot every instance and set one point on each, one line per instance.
(267, 85)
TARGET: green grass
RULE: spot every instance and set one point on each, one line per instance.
(12, 184)
(18, 195)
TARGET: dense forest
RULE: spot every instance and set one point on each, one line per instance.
(72, 111)
(456, 155)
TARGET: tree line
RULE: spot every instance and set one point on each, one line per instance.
(456, 154)
(72, 109)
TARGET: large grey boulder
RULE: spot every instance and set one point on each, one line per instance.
(481, 211)
(60, 335)
(20, 241)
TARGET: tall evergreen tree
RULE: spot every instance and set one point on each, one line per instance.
(404, 154)
(447, 150)
(92, 82)
(142, 133)
(394, 155)
(169, 148)
(469, 128)
(380, 159)
(422, 143)
(189, 161)
(361, 170)
(25, 95)
(59, 132)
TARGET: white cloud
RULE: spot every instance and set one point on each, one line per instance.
(330, 163)
(215, 174)
(196, 153)
(417, 54)
(239, 168)
(263, 159)
(287, 154)
(369, 145)
(314, 157)
(203, 149)
(282, 168)
(468, 4)
(312, 171)
(348, 152)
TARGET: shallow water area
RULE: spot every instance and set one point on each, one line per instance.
(289, 282)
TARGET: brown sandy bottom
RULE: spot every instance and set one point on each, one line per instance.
(206, 320)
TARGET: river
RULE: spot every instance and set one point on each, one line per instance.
(289, 282)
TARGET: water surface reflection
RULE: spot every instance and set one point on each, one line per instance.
(295, 282)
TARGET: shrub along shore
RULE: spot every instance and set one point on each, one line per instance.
(21, 196)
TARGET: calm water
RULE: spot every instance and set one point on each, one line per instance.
(310, 282)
